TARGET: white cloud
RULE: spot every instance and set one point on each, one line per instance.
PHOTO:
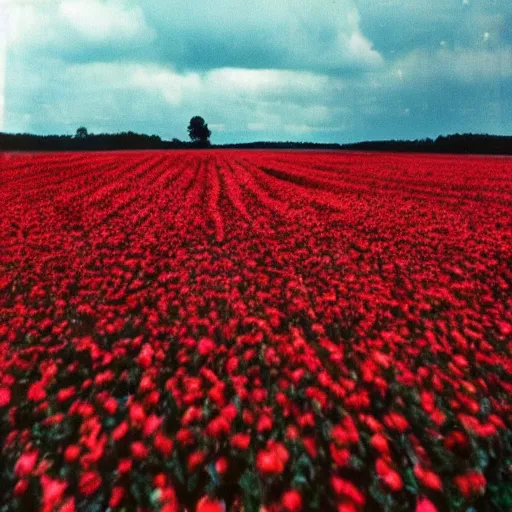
(3, 58)
(462, 65)
(256, 81)
(256, 127)
(58, 26)
(104, 21)
(217, 127)
(298, 128)
(360, 49)
(171, 85)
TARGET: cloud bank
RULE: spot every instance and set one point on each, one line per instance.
(291, 70)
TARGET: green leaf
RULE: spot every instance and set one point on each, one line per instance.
(299, 480)
(410, 481)
(251, 498)
(356, 463)
(213, 474)
(192, 482)
(155, 497)
(377, 494)
(483, 459)
(249, 483)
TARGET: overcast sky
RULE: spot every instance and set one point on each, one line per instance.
(319, 70)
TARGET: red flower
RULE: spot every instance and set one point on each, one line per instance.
(221, 465)
(139, 450)
(340, 456)
(380, 443)
(269, 463)
(456, 440)
(471, 483)
(110, 405)
(264, 424)
(396, 421)
(292, 501)
(344, 488)
(5, 396)
(195, 460)
(292, 432)
(36, 392)
(347, 507)
(163, 444)
(185, 437)
(116, 496)
(205, 346)
(160, 481)
(151, 425)
(428, 478)
(68, 506)
(21, 487)
(72, 453)
(310, 446)
(26, 464)
(53, 491)
(168, 496)
(425, 505)
(124, 466)
(241, 441)
(145, 357)
(247, 417)
(207, 504)
(279, 449)
(120, 431)
(388, 475)
(89, 483)
(137, 414)
(192, 414)
(218, 426)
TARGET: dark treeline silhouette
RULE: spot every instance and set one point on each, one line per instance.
(458, 143)
(466, 143)
(88, 142)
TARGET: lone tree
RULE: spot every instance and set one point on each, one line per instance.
(199, 132)
(81, 133)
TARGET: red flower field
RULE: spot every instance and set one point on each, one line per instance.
(278, 331)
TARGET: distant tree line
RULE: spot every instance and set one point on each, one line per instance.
(199, 134)
(89, 142)
(466, 143)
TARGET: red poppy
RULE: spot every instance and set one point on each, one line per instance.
(207, 504)
(89, 483)
(72, 453)
(163, 444)
(240, 441)
(26, 463)
(139, 450)
(344, 488)
(292, 501)
(269, 463)
(425, 505)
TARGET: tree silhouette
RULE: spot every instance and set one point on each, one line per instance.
(198, 131)
(81, 133)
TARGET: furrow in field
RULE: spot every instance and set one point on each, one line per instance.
(233, 190)
(59, 174)
(18, 169)
(128, 193)
(264, 198)
(213, 194)
(385, 182)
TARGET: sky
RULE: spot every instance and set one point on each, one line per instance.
(294, 70)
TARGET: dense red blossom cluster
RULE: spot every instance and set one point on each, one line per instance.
(278, 331)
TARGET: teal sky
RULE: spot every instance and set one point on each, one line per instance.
(340, 71)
